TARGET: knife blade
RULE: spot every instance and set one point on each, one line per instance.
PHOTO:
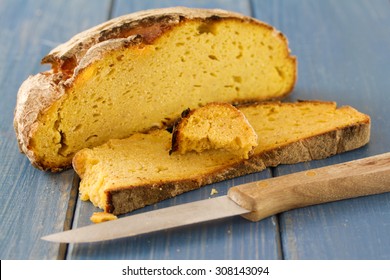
(165, 218)
(254, 201)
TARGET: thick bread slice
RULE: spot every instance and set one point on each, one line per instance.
(123, 175)
(139, 71)
(214, 126)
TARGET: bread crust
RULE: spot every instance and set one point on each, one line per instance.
(38, 93)
(125, 199)
(149, 24)
(176, 136)
(35, 96)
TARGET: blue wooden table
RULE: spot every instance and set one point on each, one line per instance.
(343, 50)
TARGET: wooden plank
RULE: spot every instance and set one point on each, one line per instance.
(233, 238)
(33, 203)
(123, 7)
(342, 49)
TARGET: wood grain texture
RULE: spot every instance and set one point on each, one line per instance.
(33, 203)
(362, 177)
(342, 48)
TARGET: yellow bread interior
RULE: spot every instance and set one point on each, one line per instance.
(144, 160)
(214, 126)
(136, 87)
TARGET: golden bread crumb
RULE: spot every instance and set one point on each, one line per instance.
(100, 217)
(213, 191)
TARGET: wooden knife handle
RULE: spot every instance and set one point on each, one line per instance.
(361, 177)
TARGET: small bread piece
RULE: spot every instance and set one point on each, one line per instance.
(123, 175)
(214, 126)
(139, 71)
(213, 191)
(100, 217)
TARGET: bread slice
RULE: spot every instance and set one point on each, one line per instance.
(123, 175)
(214, 126)
(139, 71)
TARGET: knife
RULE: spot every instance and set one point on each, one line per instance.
(254, 201)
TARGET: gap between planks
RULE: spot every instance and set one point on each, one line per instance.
(70, 211)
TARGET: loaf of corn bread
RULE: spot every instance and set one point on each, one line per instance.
(139, 71)
(123, 175)
(214, 126)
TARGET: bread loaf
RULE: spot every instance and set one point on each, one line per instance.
(139, 71)
(123, 175)
(214, 126)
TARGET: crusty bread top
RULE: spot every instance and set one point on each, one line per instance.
(149, 24)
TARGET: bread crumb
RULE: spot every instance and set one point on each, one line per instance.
(213, 191)
(99, 217)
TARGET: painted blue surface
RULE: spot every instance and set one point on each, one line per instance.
(343, 55)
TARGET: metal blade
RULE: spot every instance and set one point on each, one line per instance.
(170, 217)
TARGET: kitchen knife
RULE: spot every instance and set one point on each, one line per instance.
(254, 201)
